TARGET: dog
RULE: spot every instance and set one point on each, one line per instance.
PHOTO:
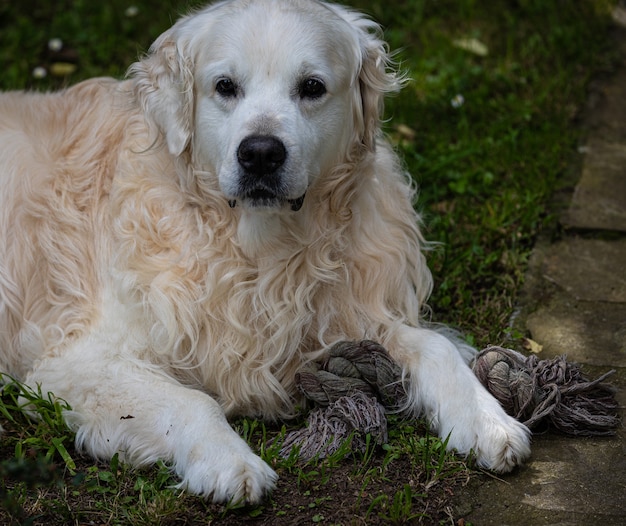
(176, 245)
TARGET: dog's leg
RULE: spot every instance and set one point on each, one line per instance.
(444, 390)
(121, 404)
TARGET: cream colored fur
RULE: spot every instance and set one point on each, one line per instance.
(131, 287)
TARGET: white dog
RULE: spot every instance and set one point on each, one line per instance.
(174, 247)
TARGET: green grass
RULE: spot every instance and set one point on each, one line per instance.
(45, 484)
(488, 168)
(488, 138)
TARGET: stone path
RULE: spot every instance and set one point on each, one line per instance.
(574, 303)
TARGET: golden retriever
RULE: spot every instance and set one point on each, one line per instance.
(175, 246)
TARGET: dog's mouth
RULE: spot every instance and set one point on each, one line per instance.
(296, 204)
(262, 198)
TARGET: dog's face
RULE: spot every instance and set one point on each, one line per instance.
(267, 94)
(273, 101)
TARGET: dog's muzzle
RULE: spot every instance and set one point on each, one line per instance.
(261, 158)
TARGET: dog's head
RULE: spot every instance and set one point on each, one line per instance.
(267, 95)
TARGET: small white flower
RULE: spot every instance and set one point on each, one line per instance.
(131, 11)
(39, 72)
(55, 44)
(457, 101)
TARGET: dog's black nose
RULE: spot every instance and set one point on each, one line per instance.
(261, 154)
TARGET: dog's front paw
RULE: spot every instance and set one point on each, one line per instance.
(501, 442)
(227, 472)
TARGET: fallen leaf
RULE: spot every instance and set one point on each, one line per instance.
(472, 45)
(532, 346)
(406, 132)
(61, 69)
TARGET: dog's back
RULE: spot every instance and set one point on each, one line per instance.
(57, 155)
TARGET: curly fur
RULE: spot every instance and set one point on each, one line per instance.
(132, 288)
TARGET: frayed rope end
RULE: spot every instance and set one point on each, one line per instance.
(553, 392)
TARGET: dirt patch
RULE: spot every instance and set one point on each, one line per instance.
(389, 485)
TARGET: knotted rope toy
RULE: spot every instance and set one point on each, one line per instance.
(353, 388)
(358, 383)
(553, 392)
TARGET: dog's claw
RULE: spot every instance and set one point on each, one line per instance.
(232, 203)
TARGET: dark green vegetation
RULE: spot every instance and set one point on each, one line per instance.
(488, 133)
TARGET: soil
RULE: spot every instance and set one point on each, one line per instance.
(355, 491)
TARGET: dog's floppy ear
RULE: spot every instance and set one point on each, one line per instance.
(376, 79)
(376, 76)
(164, 88)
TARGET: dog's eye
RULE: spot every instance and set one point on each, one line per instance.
(226, 88)
(311, 88)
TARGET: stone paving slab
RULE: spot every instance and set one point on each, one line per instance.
(585, 332)
(575, 293)
(573, 481)
(588, 269)
(599, 201)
